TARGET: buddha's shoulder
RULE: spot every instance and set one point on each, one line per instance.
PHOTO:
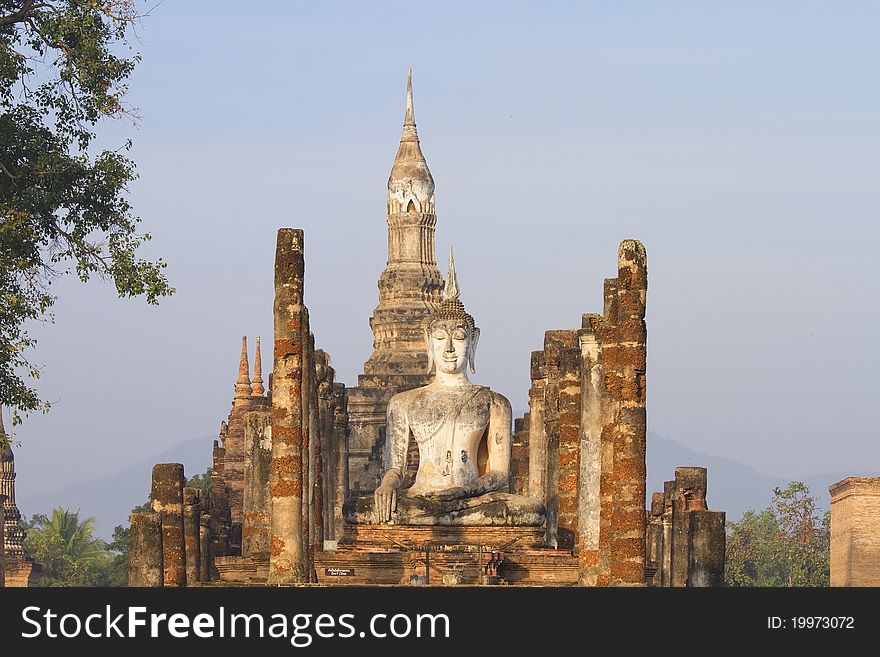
(498, 400)
(406, 397)
(428, 393)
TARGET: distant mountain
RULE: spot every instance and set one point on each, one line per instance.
(110, 499)
(733, 487)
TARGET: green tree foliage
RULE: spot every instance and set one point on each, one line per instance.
(202, 481)
(70, 554)
(787, 544)
(63, 208)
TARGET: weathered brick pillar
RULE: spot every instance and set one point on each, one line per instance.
(340, 440)
(666, 519)
(568, 453)
(624, 354)
(519, 457)
(205, 564)
(287, 556)
(145, 550)
(325, 376)
(2, 543)
(855, 532)
(551, 432)
(537, 435)
(321, 365)
(706, 548)
(257, 500)
(192, 510)
(654, 547)
(689, 495)
(167, 500)
(221, 515)
(590, 458)
(310, 444)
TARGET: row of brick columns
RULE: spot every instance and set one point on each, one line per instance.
(581, 446)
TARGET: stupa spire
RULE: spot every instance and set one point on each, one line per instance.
(243, 385)
(258, 372)
(409, 118)
(410, 185)
(451, 290)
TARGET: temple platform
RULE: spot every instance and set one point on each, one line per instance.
(393, 555)
(445, 555)
(446, 565)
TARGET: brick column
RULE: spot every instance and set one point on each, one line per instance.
(340, 438)
(204, 548)
(167, 501)
(537, 435)
(590, 458)
(286, 557)
(706, 548)
(519, 457)
(315, 495)
(624, 362)
(654, 539)
(689, 495)
(145, 550)
(192, 510)
(666, 545)
(567, 459)
(326, 453)
(257, 500)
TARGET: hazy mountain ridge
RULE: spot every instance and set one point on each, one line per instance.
(110, 499)
(733, 487)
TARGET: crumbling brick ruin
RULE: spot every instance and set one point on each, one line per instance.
(290, 461)
(16, 569)
(855, 532)
(582, 441)
(685, 541)
(279, 473)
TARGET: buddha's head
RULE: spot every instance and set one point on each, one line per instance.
(452, 336)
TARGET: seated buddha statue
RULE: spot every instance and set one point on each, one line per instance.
(463, 433)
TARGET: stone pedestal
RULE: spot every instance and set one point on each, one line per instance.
(445, 556)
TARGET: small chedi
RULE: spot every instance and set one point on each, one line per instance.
(415, 475)
(16, 569)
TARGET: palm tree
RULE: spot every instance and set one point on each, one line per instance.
(67, 548)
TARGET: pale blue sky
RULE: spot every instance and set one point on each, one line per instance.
(738, 141)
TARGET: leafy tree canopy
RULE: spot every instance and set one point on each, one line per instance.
(63, 208)
(202, 481)
(70, 554)
(786, 544)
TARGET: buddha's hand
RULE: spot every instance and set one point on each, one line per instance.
(447, 494)
(384, 503)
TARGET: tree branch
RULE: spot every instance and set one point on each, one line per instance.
(25, 11)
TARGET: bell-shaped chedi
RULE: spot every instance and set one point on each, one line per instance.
(410, 287)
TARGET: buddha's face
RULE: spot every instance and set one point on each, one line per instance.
(449, 342)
